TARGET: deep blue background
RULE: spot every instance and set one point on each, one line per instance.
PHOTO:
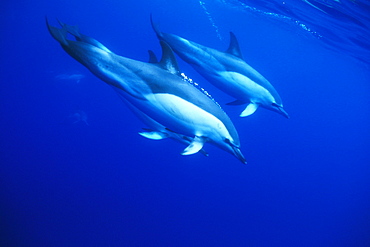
(71, 184)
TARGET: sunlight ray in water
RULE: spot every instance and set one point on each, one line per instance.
(340, 25)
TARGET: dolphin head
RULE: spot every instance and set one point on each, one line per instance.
(229, 143)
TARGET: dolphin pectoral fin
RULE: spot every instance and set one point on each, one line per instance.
(236, 102)
(188, 140)
(249, 110)
(195, 146)
(153, 135)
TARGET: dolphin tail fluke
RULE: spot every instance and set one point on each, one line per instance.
(155, 27)
(59, 34)
(249, 110)
(195, 146)
(74, 30)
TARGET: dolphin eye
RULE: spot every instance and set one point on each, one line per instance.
(274, 104)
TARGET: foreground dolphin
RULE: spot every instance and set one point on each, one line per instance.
(156, 89)
(227, 71)
(156, 131)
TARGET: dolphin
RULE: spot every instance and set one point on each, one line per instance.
(156, 131)
(79, 116)
(228, 72)
(158, 90)
(71, 77)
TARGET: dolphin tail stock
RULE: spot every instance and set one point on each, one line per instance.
(75, 31)
(59, 34)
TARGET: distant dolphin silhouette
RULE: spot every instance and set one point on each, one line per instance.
(158, 90)
(72, 77)
(227, 71)
(79, 116)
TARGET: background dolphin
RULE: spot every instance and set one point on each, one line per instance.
(227, 71)
(157, 90)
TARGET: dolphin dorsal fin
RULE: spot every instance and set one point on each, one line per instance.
(234, 48)
(152, 57)
(168, 60)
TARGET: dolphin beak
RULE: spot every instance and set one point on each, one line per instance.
(283, 112)
(238, 154)
(235, 150)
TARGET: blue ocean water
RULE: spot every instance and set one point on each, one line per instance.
(74, 171)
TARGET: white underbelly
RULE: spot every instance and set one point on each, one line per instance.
(184, 117)
(241, 87)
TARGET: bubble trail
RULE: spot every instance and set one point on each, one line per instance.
(210, 18)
